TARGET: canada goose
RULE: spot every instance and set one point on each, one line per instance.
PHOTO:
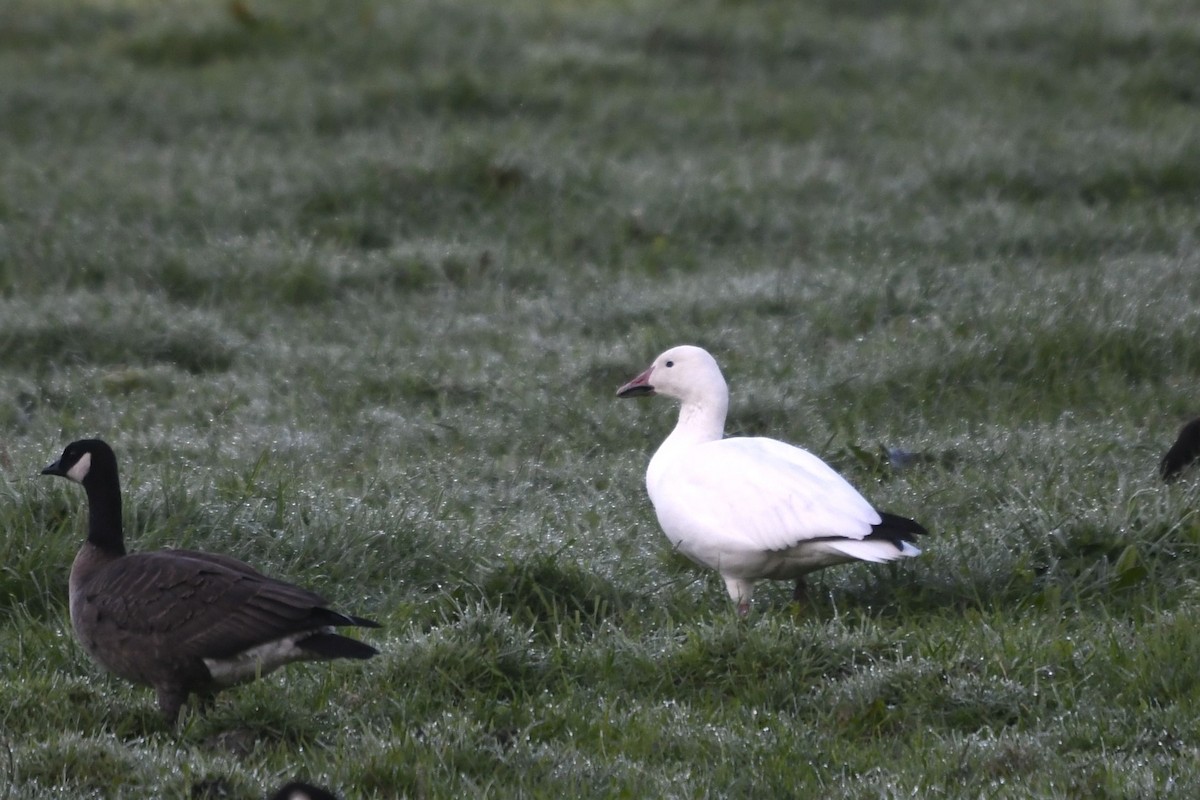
(1185, 450)
(302, 791)
(752, 508)
(182, 621)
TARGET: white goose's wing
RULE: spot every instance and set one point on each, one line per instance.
(757, 494)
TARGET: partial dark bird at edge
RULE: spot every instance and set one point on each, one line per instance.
(1185, 450)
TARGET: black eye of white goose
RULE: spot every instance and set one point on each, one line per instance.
(670, 363)
(80, 469)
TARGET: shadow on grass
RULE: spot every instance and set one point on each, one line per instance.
(555, 598)
(104, 333)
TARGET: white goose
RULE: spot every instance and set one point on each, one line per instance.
(752, 508)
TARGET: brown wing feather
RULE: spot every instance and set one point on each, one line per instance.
(202, 607)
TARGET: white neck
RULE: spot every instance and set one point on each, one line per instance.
(699, 421)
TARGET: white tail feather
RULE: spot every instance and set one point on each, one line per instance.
(873, 550)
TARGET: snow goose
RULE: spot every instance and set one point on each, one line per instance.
(1185, 450)
(752, 508)
(184, 621)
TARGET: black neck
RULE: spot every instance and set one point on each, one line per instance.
(104, 513)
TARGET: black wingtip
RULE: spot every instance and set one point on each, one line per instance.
(894, 525)
(1185, 450)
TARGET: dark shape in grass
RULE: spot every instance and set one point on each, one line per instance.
(181, 283)
(182, 621)
(874, 9)
(274, 725)
(79, 25)
(242, 13)
(1012, 365)
(377, 203)
(884, 461)
(666, 41)
(410, 274)
(237, 742)
(1169, 82)
(1176, 179)
(460, 92)
(415, 389)
(89, 767)
(1185, 450)
(304, 283)
(222, 41)
(1081, 559)
(298, 790)
(551, 594)
(213, 788)
(143, 337)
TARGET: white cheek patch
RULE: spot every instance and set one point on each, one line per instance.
(78, 472)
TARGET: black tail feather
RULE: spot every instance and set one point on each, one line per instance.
(334, 645)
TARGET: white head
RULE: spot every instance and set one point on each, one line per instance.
(691, 376)
(687, 373)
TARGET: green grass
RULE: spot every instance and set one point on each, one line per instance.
(350, 287)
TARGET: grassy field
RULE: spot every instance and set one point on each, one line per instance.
(350, 286)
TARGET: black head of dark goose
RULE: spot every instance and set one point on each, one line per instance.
(297, 790)
(1185, 450)
(183, 621)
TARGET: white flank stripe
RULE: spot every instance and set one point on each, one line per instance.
(256, 661)
(876, 551)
